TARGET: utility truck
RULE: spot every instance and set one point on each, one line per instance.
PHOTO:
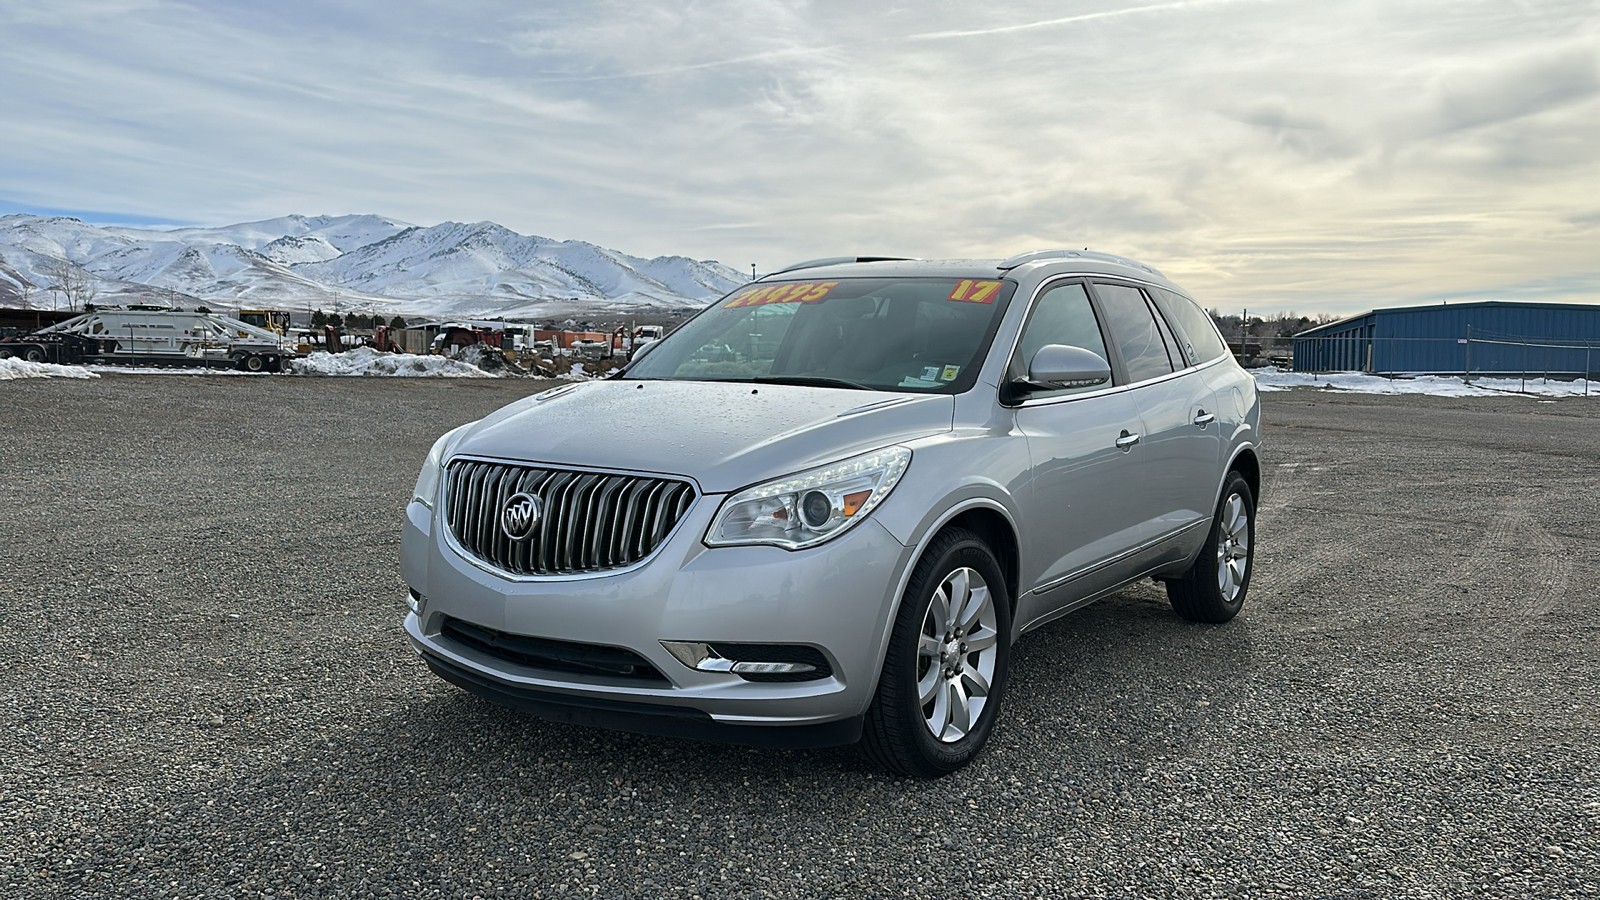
(153, 336)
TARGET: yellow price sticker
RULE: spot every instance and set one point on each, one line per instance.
(795, 292)
(971, 291)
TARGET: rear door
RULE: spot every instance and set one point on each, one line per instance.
(1175, 462)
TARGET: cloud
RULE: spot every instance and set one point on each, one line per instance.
(1269, 154)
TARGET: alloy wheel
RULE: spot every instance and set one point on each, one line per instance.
(956, 655)
(1233, 550)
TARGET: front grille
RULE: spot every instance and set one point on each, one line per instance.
(552, 655)
(590, 521)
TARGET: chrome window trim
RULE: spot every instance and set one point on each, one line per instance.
(1114, 389)
(472, 559)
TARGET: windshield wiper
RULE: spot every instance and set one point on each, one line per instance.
(810, 381)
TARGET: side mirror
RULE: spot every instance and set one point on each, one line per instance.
(1056, 366)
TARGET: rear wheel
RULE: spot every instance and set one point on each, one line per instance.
(34, 354)
(945, 669)
(253, 363)
(1214, 588)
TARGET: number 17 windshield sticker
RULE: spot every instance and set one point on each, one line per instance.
(798, 292)
(970, 291)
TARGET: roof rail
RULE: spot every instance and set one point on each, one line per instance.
(1086, 253)
(835, 261)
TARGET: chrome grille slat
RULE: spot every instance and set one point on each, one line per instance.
(475, 500)
(550, 528)
(630, 512)
(589, 522)
(598, 519)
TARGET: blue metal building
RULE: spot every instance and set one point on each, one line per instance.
(1492, 337)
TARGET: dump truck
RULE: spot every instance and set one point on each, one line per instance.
(153, 336)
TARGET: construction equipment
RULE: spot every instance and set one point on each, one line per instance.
(273, 320)
(153, 337)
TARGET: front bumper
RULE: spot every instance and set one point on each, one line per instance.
(838, 598)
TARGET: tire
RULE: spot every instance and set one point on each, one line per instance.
(253, 363)
(906, 734)
(1214, 588)
(34, 354)
(5, 353)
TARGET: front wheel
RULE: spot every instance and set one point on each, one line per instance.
(1213, 589)
(945, 669)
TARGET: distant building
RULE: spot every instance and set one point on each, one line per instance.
(1491, 337)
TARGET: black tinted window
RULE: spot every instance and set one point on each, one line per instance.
(1195, 330)
(1133, 329)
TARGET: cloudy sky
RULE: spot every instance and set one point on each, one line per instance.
(1307, 155)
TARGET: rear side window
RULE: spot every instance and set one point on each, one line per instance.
(1134, 331)
(1196, 333)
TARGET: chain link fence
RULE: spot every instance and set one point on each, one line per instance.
(1477, 353)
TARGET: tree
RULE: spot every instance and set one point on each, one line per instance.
(25, 293)
(319, 319)
(336, 320)
(75, 286)
(377, 321)
(202, 309)
(397, 322)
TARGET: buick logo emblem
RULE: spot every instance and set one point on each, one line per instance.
(520, 516)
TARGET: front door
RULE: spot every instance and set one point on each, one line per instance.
(1076, 522)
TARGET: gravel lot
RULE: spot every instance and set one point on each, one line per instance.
(205, 689)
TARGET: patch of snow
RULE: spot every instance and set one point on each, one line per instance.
(367, 361)
(580, 372)
(171, 370)
(1431, 385)
(13, 369)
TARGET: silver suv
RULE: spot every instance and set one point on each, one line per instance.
(823, 510)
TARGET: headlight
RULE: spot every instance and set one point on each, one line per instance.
(427, 486)
(806, 509)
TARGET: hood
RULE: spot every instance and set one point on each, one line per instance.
(723, 435)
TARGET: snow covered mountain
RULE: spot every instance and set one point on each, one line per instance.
(347, 263)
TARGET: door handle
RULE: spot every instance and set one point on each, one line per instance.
(1203, 418)
(1127, 440)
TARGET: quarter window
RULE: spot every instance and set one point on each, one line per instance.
(1195, 330)
(1133, 329)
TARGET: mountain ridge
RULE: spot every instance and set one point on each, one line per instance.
(356, 263)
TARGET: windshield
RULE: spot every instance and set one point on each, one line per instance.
(884, 334)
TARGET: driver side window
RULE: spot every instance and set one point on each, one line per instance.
(1062, 315)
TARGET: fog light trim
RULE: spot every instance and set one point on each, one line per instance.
(702, 657)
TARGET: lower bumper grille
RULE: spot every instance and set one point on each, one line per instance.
(552, 655)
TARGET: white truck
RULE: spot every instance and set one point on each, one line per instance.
(644, 335)
(153, 336)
